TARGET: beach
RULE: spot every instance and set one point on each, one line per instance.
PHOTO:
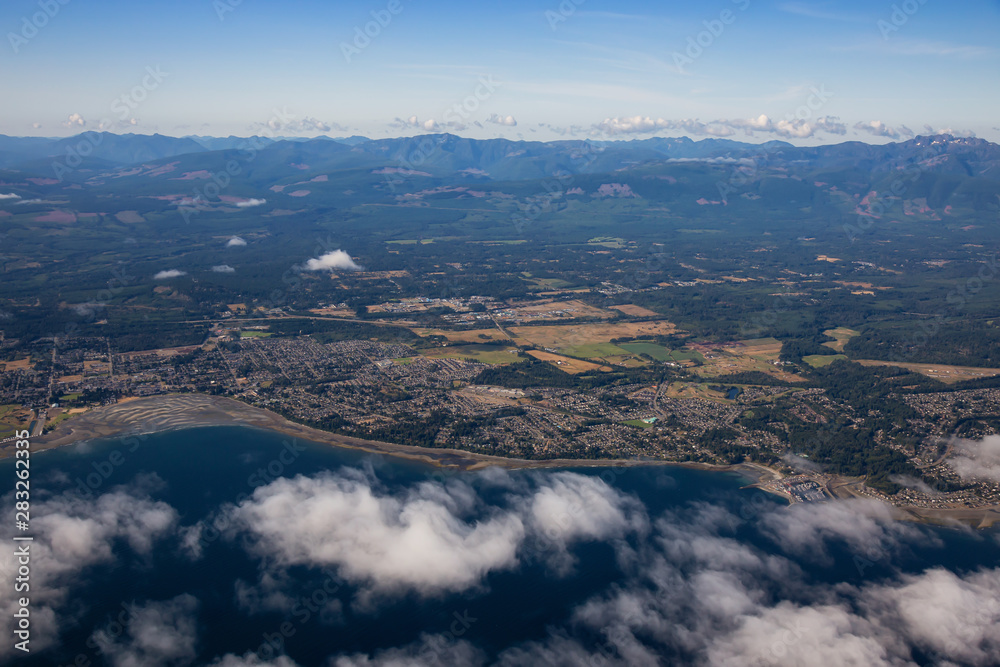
(171, 412)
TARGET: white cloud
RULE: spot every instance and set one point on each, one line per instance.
(794, 128)
(860, 524)
(304, 125)
(9, 196)
(157, 634)
(75, 120)
(168, 274)
(977, 459)
(223, 268)
(385, 542)
(73, 533)
(967, 134)
(879, 129)
(252, 660)
(235, 242)
(429, 125)
(497, 119)
(429, 651)
(250, 203)
(433, 539)
(337, 259)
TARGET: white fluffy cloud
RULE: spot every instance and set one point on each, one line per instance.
(977, 459)
(9, 196)
(335, 260)
(223, 268)
(75, 120)
(304, 125)
(168, 274)
(73, 533)
(429, 125)
(436, 538)
(793, 129)
(879, 129)
(156, 634)
(235, 242)
(497, 119)
(386, 542)
(250, 203)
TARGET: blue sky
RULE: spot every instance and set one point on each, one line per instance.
(807, 72)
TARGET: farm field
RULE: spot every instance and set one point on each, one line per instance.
(842, 334)
(657, 352)
(470, 336)
(567, 336)
(752, 355)
(13, 417)
(946, 374)
(567, 364)
(636, 311)
(487, 354)
(821, 360)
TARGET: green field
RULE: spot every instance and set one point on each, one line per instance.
(686, 355)
(594, 351)
(487, 354)
(637, 423)
(254, 334)
(820, 360)
(657, 352)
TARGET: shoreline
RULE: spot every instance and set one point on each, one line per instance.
(157, 414)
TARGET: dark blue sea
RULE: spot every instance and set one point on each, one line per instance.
(235, 546)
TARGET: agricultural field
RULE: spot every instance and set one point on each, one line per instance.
(657, 352)
(821, 360)
(487, 354)
(842, 334)
(12, 418)
(563, 337)
(468, 336)
(19, 365)
(749, 355)
(944, 373)
(567, 364)
(596, 351)
(255, 334)
(636, 311)
(695, 390)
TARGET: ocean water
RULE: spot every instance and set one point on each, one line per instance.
(245, 589)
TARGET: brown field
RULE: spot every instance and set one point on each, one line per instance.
(470, 336)
(750, 355)
(946, 374)
(692, 390)
(20, 364)
(635, 311)
(71, 378)
(164, 351)
(579, 308)
(571, 366)
(570, 336)
(842, 334)
(333, 312)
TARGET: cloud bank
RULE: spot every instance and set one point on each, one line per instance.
(250, 203)
(977, 459)
(791, 129)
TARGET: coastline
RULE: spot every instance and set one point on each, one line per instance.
(171, 412)
(180, 411)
